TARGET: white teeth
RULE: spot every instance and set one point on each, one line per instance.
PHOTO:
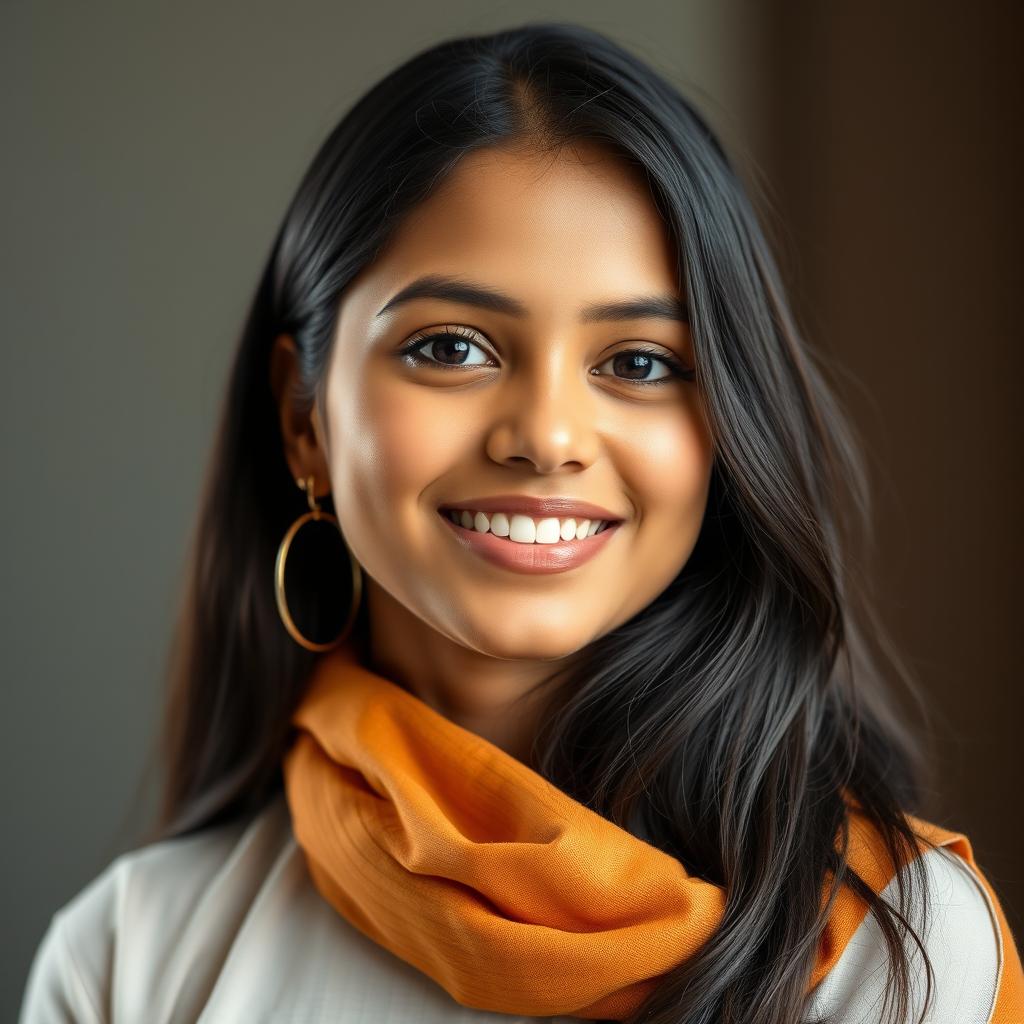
(525, 530)
(549, 531)
(522, 529)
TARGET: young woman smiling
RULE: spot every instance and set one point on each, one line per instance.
(522, 670)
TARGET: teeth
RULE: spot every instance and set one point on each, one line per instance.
(523, 530)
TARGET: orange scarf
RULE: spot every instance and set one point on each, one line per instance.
(467, 864)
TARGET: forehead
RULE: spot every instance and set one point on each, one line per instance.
(574, 224)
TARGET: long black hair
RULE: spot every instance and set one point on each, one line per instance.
(732, 720)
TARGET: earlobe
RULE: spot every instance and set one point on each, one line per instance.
(301, 438)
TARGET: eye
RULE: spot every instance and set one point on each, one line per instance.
(639, 360)
(448, 348)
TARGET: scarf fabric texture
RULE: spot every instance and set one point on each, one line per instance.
(514, 897)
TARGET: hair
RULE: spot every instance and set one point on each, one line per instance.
(732, 721)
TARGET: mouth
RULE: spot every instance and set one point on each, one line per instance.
(523, 544)
(519, 528)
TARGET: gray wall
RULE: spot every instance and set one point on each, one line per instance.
(148, 158)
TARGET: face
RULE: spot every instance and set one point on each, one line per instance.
(527, 396)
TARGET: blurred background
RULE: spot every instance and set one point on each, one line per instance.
(149, 151)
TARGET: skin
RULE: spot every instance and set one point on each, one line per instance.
(527, 415)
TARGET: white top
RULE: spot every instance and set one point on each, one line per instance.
(226, 925)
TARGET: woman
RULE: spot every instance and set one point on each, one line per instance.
(568, 711)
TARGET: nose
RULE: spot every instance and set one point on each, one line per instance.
(546, 416)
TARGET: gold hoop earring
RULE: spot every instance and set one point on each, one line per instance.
(314, 513)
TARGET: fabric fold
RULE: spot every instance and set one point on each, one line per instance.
(514, 897)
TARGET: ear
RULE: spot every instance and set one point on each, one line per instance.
(304, 444)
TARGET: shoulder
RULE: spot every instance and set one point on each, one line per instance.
(126, 920)
(959, 930)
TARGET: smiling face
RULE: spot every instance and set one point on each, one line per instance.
(546, 390)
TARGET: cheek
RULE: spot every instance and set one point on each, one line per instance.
(400, 439)
(668, 467)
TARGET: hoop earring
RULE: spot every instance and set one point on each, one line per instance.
(314, 513)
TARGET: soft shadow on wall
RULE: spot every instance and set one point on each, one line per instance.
(896, 168)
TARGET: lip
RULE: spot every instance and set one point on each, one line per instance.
(530, 558)
(535, 507)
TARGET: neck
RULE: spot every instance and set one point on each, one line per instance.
(489, 696)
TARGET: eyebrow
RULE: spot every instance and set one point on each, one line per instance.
(471, 293)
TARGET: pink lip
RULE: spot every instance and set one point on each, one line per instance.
(530, 558)
(535, 507)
